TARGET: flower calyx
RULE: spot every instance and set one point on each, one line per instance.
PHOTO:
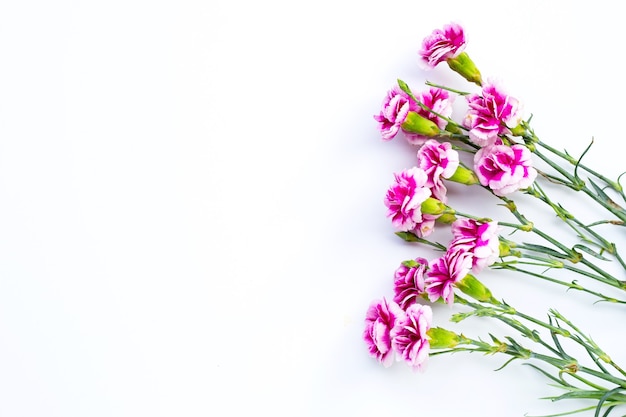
(441, 338)
(470, 285)
(415, 123)
(464, 66)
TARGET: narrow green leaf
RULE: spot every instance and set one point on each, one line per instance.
(589, 251)
(543, 249)
(601, 194)
(412, 237)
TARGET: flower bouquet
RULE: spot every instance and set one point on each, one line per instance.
(495, 152)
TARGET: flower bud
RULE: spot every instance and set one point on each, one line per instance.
(447, 218)
(414, 123)
(433, 206)
(453, 128)
(411, 263)
(464, 175)
(471, 286)
(440, 338)
(504, 248)
(464, 65)
(518, 130)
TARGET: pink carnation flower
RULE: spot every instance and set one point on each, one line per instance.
(379, 320)
(441, 45)
(440, 102)
(409, 336)
(405, 197)
(395, 108)
(409, 283)
(426, 226)
(439, 161)
(479, 239)
(446, 271)
(491, 114)
(504, 169)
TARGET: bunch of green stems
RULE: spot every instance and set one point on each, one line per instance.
(592, 256)
(601, 381)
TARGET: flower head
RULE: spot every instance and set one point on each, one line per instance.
(504, 169)
(439, 101)
(409, 282)
(442, 44)
(405, 197)
(409, 336)
(479, 239)
(379, 320)
(490, 114)
(439, 161)
(444, 272)
(395, 108)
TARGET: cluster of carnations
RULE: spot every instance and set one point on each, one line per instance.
(417, 198)
(502, 145)
(400, 326)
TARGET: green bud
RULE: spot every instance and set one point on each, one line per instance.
(471, 286)
(446, 218)
(433, 206)
(440, 338)
(464, 175)
(408, 236)
(453, 128)
(518, 130)
(411, 263)
(415, 123)
(464, 65)
(506, 247)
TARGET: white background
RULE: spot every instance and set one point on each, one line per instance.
(191, 217)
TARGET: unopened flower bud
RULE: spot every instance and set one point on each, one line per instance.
(464, 65)
(471, 286)
(414, 123)
(453, 128)
(504, 248)
(447, 218)
(433, 206)
(464, 175)
(440, 338)
(518, 130)
(411, 263)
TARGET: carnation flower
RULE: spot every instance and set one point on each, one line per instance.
(442, 44)
(504, 169)
(395, 108)
(491, 114)
(426, 226)
(439, 161)
(444, 272)
(379, 320)
(409, 282)
(440, 102)
(409, 337)
(405, 197)
(479, 239)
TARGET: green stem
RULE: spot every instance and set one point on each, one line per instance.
(576, 225)
(613, 184)
(443, 87)
(570, 285)
(569, 254)
(577, 184)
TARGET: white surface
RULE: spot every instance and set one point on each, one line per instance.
(191, 218)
